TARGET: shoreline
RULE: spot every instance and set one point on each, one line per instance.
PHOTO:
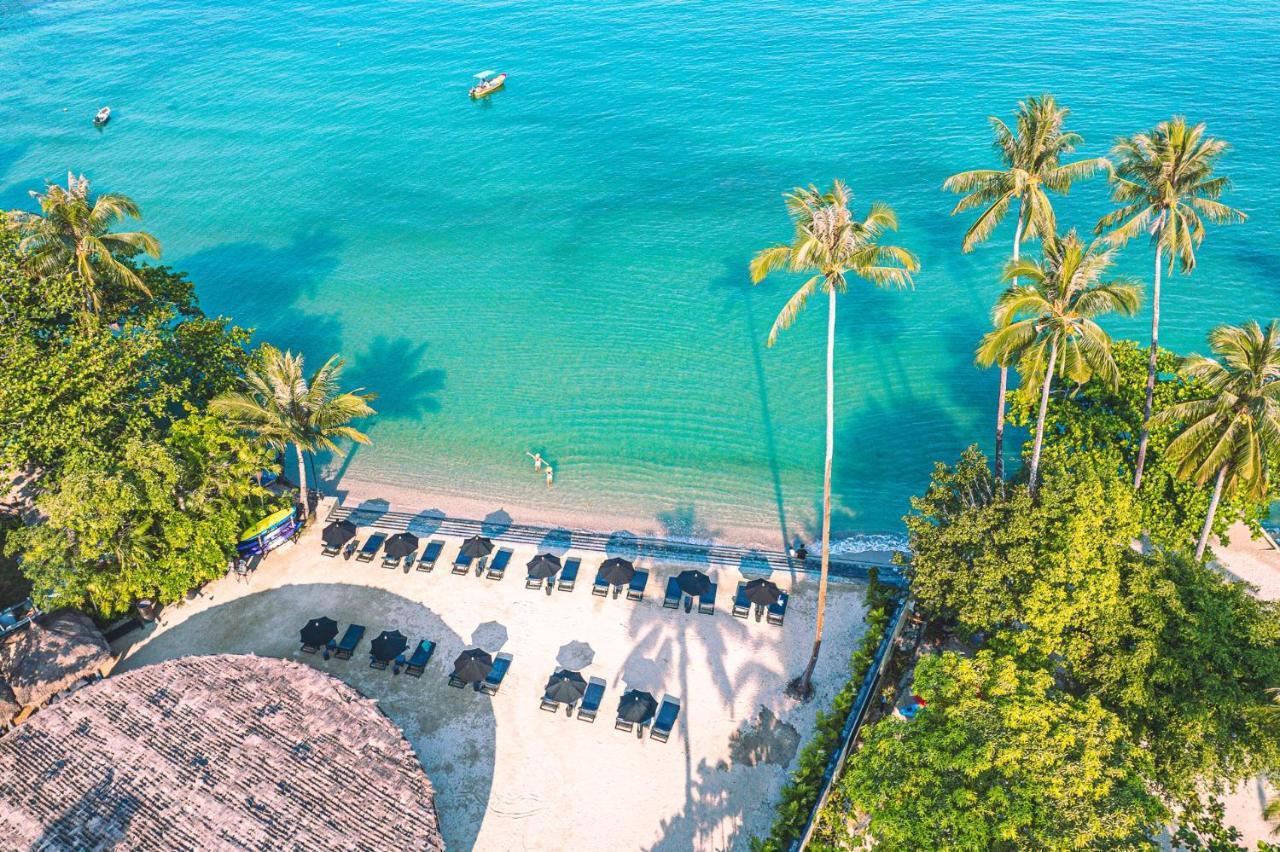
(352, 491)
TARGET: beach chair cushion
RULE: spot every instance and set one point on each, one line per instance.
(549, 705)
(496, 674)
(350, 639)
(591, 700)
(462, 564)
(421, 656)
(707, 603)
(430, 555)
(533, 583)
(569, 574)
(671, 600)
(666, 720)
(601, 587)
(778, 611)
(498, 567)
(456, 681)
(330, 551)
(371, 547)
(635, 590)
(741, 603)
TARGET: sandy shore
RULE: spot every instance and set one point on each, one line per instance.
(878, 547)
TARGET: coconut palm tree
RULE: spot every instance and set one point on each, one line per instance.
(829, 245)
(1230, 433)
(72, 233)
(1050, 320)
(1164, 182)
(281, 406)
(1030, 166)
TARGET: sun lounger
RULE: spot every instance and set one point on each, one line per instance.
(635, 591)
(371, 547)
(331, 550)
(310, 649)
(622, 724)
(672, 598)
(418, 662)
(491, 684)
(461, 564)
(741, 603)
(600, 588)
(778, 611)
(350, 639)
(456, 681)
(533, 582)
(707, 603)
(569, 574)
(375, 663)
(549, 705)
(666, 720)
(390, 561)
(498, 567)
(430, 555)
(591, 700)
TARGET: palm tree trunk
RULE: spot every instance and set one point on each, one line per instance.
(1044, 408)
(1213, 510)
(1151, 374)
(1004, 368)
(302, 483)
(803, 686)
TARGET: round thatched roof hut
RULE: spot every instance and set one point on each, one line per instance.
(214, 752)
(55, 651)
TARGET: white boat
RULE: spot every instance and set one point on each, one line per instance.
(103, 116)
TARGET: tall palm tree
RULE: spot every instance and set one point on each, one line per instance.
(1164, 182)
(72, 233)
(1050, 320)
(829, 245)
(281, 406)
(1230, 433)
(1030, 165)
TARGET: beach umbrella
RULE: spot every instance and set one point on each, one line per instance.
(693, 583)
(476, 546)
(544, 565)
(472, 665)
(338, 533)
(637, 706)
(762, 592)
(617, 571)
(318, 631)
(389, 645)
(566, 687)
(401, 545)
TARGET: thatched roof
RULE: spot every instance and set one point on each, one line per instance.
(50, 654)
(9, 705)
(224, 751)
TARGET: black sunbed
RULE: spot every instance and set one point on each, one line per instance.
(666, 720)
(778, 611)
(501, 663)
(635, 591)
(707, 603)
(371, 547)
(350, 639)
(498, 567)
(456, 681)
(418, 662)
(741, 603)
(331, 550)
(591, 700)
(549, 705)
(601, 587)
(392, 562)
(569, 574)
(535, 582)
(461, 563)
(672, 598)
(430, 555)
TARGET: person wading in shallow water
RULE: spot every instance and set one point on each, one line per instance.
(537, 460)
(550, 476)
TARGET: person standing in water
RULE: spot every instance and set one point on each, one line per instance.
(550, 476)
(537, 460)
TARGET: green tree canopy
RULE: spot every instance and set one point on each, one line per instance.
(1001, 759)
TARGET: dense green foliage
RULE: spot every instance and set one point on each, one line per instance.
(1179, 654)
(1001, 758)
(141, 494)
(804, 786)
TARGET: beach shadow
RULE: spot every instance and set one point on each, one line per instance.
(557, 541)
(682, 523)
(393, 369)
(496, 523)
(575, 656)
(623, 545)
(426, 522)
(106, 809)
(452, 733)
(754, 564)
(369, 511)
(491, 636)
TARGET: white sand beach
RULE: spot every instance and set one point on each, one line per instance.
(509, 775)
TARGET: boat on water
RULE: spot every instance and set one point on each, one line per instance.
(103, 116)
(489, 82)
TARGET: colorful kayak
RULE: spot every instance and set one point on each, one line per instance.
(268, 533)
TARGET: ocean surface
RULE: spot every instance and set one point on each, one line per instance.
(562, 267)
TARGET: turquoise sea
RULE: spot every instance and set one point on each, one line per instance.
(562, 267)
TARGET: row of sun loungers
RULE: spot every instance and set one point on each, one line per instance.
(564, 581)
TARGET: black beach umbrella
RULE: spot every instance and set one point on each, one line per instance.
(566, 687)
(318, 631)
(476, 546)
(401, 545)
(338, 533)
(617, 571)
(762, 592)
(544, 565)
(693, 583)
(472, 665)
(389, 645)
(637, 706)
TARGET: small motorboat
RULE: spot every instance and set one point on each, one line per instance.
(103, 116)
(489, 82)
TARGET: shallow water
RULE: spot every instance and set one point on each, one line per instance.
(562, 267)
